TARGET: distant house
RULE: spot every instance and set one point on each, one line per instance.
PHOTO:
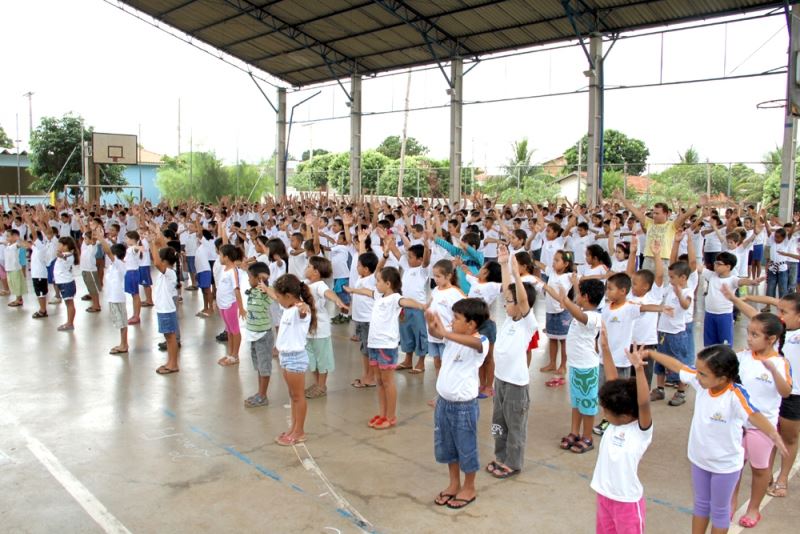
(555, 167)
(569, 184)
(8, 174)
(144, 174)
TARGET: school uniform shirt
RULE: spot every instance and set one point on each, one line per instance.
(775, 257)
(715, 301)
(442, 301)
(318, 290)
(297, 264)
(87, 261)
(487, 291)
(616, 473)
(556, 281)
(384, 328)
(276, 271)
(691, 283)
(458, 377)
(619, 266)
(415, 281)
(619, 323)
(760, 383)
(645, 327)
(715, 437)
(581, 353)
(677, 322)
(509, 349)
(712, 242)
(11, 255)
(293, 331)
(62, 272)
(144, 258)
(791, 351)
(163, 287)
(490, 249)
(360, 305)
(131, 259)
(52, 250)
(114, 281)
(226, 288)
(39, 259)
(339, 256)
(64, 229)
(189, 242)
(578, 244)
(549, 249)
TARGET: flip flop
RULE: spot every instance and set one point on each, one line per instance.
(93, 310)
(505, 474)
(555, 382)
(777, 490)
(115, 350)
(402, 367)
(228, 361)
(286, 441)
(416, 371)
(14, 304)
(442, 495)
(358, 384)
(746, 522)
(464, 503)
(164, 370)
(66, 328)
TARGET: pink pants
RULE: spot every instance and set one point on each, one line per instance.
(614, 517)
(230, 316)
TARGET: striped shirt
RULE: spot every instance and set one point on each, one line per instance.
(258, 315)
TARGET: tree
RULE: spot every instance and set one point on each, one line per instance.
(620, 152)
(52, 142)
(690, 156)
(5, 141)
(390, 147)
(317, 152)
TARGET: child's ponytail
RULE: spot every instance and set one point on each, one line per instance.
(308, 298)
(289, 284)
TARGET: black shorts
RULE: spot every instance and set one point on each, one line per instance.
(790, 408)
(40, 287)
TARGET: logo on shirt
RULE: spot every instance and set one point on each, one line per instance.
(717, 418)
(614, 319)
(794, 340)
(619, 439)
(764, 377)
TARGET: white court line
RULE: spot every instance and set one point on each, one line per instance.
(104, 519)
(735, 527)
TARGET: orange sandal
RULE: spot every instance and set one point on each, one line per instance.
(384, 423)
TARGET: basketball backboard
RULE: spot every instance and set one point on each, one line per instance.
(119, 149)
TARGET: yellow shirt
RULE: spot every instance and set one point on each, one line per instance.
(663, 233)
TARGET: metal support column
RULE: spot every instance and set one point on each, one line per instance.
(456, 105)
(594, 144)
(280, 146)
(355, 137)
(786, 206)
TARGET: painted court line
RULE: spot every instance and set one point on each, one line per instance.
(96, 510)
(735, 527)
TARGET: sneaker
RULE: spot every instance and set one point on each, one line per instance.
(345, 318)
(677, 399)
(222, 337)
(657, 395)
(256, 401)
(337, 320)
(600, 428)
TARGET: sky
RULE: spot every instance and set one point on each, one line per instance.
(125, 76)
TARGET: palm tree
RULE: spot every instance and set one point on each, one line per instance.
(690, 157)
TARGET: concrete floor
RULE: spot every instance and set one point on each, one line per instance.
(180, 453)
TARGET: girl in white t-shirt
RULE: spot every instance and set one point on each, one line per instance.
(444, 295)
(384, 337)
(166, 280)
(626, 406)
(487, 287)
(722, 409)
(558, 276)
(229, 300)
(278, 262)
(298, 320)
(65, 280)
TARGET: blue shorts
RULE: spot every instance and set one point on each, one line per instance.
(718, 329)
(557, 324)
(294, 362)
(167, 323)
(455, 435)
(338, 288)
(677, 346)
(132, 282)
(383, 358)
(583, 387)
(190, 264)
(435, 349)
(757, 254)
(413, 331)
(489, 329)
(23, 257)
(204, 280)
(144, 276)
(50, 272)
(67, 290)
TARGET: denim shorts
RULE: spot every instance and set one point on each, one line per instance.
(190, 264)
(362, 332)
(338, 288)
(50, 272)
(676, 345)
(455, 436)
(145, 280)
(557, 324)
(294, 362)
(383, 358)
(583, 388)
(67, 290)
(413, 332)
(489, 329)
(167, 323)
(435, 349)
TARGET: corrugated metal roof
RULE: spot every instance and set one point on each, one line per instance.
(305, 42)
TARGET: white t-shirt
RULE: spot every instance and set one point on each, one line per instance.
(62, 272)
(581, 353)
(339, 256)
(487, 292)
(549, 249)
(616, 473)
(490, 249)
(776, 258)
(791, 351)
(131, 259)
(384, 328)
(415, 281)
(715, 437)
(39, 259)
(318, 290)
(114, 281)
(715, 301)
(297, 265)
(87, 261)
(676, 323)
(458, 377)
(293, 331)
(12, 257)
(144, 258)
(619, 325)
(190, 244)
(645, 328)
(226, 288)
(163, 289)
(691, 283)
(760, 384)
(509, 350)
(556, 281)
(578, 244)
(361, 306)
(442, 301)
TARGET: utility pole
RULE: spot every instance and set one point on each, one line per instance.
(29, 94)
(404, 140)
(179, 127)
(19, 175)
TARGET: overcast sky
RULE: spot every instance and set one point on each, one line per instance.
(123, 75)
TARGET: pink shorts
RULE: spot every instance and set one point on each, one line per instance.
(230, 316)
(757, 448)
(615, 517)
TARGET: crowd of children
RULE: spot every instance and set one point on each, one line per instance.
(620, 285)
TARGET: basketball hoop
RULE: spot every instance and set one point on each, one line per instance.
(772, 104)
(114, 159)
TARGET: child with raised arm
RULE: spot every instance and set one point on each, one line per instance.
(164, 259)
(456, 416)
(721, 411)
(511, 378)
(582, 360)
(114, 288)
(626, 406)
(258, 330)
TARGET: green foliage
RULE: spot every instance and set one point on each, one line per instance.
(390, 147)
(613, 180)
(333, 170)
(423, 177)
(772, 186)
(5, 140)
(201, 176)
(690, 156)
(51, 144)
(618, 149)
(317, 152)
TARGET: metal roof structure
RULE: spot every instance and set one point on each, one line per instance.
(303, 42)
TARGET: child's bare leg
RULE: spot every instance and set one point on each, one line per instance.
(96, 302)
(700, 525)
(588, 423)
(409, 360)
(70, 312)
(172, 351)
(758, 489)
(123, 339)
(453, 488)
(389, 392)
(148, 294)
(420, 363)
(551, 366)
(296, 383)
(43, 304)
(321, 380)
(235, 343)
(137, 306)
(381, 393)
(263, 384)
(467, 491)
(563, 367)
(367, 377)
(575, 427)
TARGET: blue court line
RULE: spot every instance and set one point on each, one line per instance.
(264, 470)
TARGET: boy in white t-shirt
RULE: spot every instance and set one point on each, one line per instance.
(456, 415)
(114, 288)
(718, 323)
